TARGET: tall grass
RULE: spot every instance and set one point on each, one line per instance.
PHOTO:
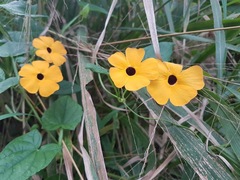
(121, 135)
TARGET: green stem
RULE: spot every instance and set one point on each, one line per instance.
(31, 106)
(14, 67)
(60, 136)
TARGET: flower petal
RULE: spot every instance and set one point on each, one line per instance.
(57, 59)
(159, 90)
(118, 60)
(44, 54)
(39, 44)
(53, 73)
(134, 56)
(27, 70)
(182, 94)
(149, 69)
(31, 84)
(136, 82)
(118, 76)
(40, 66)
(193, 77)
(47, 40)
(58, 47)
(47, 87)
(42, 42)
(175, 69)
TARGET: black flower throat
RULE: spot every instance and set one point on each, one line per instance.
(172, 79)
(49, 50)
(40, 76)
(130, 71)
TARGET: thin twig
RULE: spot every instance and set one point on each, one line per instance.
(50, 19)
(71, 158)
(170, 35)
(77, 151)
(162, 166)
(201, 126)
(41, 102)
(151, 140)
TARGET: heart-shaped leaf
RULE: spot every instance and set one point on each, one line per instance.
(22, 158)
(64, 113)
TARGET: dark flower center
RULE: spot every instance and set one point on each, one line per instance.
(40, 76)
(172, 79)
(130, 71)
(49, 50)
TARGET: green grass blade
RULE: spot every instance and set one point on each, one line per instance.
(167, 9)
(5, 116)
(194, 152)
(220, 40)
(228, 119)
(224, 7)
(189, 147)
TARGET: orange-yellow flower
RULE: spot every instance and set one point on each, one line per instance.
(130, 71)
(39, 76)
(177, 85)
(50, 50)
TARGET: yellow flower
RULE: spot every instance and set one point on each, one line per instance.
(180, 86)
(130, 71)
(39, 76)
(50, 50)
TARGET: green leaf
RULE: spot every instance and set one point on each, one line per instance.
(92, 7)
(96, 68)
(85, 11)
(200, 57)
(4, 85)
(166, 50)
(67, 87)
(195, 26)
(4, 32)
(22, 158)
(234, 90)
(64, 113)
(18, 7)
(2, 75)
(12, 49)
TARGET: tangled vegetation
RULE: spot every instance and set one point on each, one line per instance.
(141, 89)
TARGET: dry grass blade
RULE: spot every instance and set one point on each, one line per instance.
(88, 164)
(91, 121)
(161, 167)
(68, 161)
(148, 6)
(100, 39)
(153, 131)
(203, 128)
